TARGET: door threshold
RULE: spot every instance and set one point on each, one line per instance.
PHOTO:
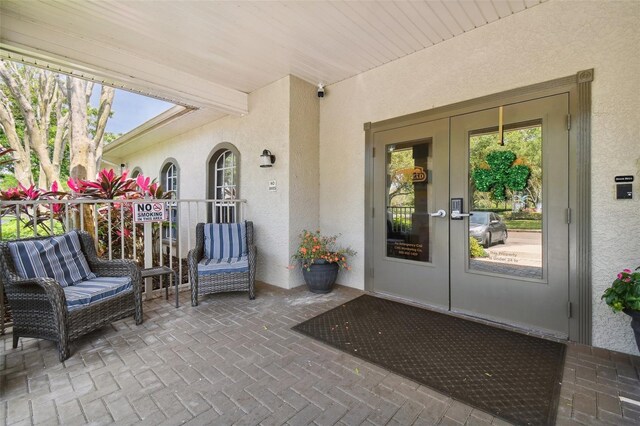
(548, 335)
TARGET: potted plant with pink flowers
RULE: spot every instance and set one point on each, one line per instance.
(624, 296)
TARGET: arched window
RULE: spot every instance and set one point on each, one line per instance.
(226, 176)
(169, 181)
(224, 182)
(137, 171)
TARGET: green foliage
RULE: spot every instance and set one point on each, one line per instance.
(401, 222)
(114, 221)
(475, 249)
(523, 224)
(521, 215)
(624, 292)
(4, 156)
(501, 175)
(526, 143)
(401, 190)
(10, 229)
(8, 181)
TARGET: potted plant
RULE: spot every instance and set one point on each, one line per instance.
(321, 260)
(624, 295)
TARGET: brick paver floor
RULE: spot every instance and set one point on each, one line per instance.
(235, 361)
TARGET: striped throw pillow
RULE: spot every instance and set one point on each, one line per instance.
(60, 258)
(225, 240)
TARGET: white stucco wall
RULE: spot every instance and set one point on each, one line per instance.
(284, 118)
(552, 40)
(304, 166)
(265, 127)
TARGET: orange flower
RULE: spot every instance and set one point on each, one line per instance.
(303, 250)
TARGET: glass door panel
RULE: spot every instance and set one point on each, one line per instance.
(409, 192)
(410, 182)
(505, 195)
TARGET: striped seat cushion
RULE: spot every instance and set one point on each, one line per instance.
(220, 266)
(225, 240)
(60, 258)
(99, 288)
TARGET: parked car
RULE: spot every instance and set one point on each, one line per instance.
(487, 228)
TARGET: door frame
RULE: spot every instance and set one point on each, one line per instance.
(578, 86)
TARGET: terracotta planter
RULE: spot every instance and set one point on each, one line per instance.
(321, 276)
(635, 324)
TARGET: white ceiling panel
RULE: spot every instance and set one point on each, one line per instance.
(502, 7)
(212, 53)
(462, 15)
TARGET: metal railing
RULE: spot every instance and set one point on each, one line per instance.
(115, 233)
(401, 218)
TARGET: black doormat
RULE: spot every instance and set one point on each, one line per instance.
(510, 375)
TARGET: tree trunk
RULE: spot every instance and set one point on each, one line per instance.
(86, 150)
(34, 93)
(81, 145)
(22, 168)
(42, 179)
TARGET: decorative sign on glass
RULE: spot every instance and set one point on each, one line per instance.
(408, 199)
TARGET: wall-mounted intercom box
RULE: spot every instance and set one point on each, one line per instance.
(624, 187)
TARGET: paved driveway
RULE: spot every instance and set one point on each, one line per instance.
(523, 248)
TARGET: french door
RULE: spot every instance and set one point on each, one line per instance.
(470, 213)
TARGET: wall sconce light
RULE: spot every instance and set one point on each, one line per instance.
(267, 158)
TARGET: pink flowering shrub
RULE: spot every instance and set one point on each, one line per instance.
(624, 293)
(42, 215)
(107, 186)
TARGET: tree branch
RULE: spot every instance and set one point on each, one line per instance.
(17, 85)
(62, 121)
(88, 91)
(106, 99)
(8, 123)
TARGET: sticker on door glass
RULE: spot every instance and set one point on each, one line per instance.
(408, 198)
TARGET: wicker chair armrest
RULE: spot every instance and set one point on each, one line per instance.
(252, 251)
(194, 256)
(49, 286)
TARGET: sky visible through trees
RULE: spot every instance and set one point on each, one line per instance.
(130, 110)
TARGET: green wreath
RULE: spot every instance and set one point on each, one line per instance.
(502, 174)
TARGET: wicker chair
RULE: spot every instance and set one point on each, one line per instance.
(224, 281)
(39, 305)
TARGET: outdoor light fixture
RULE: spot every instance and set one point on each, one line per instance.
(267, 158)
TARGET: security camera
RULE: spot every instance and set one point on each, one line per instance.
(320, 90)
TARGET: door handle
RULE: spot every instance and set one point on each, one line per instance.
(439, 213)
(457, 215)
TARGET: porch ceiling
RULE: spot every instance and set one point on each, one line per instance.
(211, 54)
